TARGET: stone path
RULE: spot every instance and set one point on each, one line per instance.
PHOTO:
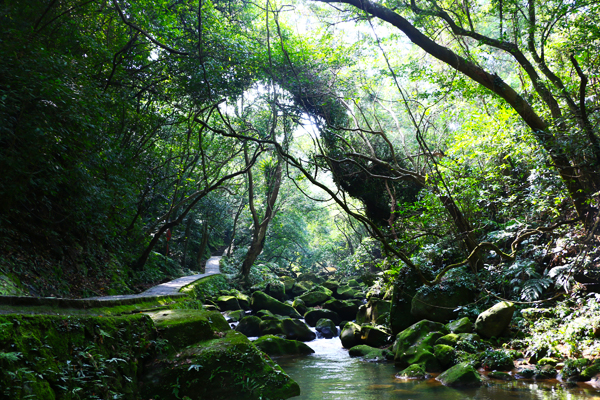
(169, 289)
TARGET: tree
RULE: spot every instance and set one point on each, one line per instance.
(579, 175)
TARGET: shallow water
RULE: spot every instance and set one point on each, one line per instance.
(331, 374)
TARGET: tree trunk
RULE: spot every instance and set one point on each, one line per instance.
(203, 245)
(464, 230)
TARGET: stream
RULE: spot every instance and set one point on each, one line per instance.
(331, 374)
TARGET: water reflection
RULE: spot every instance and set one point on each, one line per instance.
(330, 374)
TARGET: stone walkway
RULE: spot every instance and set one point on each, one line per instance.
(169, 289)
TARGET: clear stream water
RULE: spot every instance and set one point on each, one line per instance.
(331, 374)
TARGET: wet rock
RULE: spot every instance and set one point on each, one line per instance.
(234, 316)
(463, 325)
(228, 303)
(375, 312)
(460, 375)
(294, 329)
(262, 301)
(300, 288)
(415, 345)
(495, 320)
(346, 293)
(502, 376)
(369, 353)
(344, 308)
(331, 285)
(288, 283)
(350, 335)
(276, 346)
(316, 296)
(300, 306)
(276, 289)
(249, 326)
(415, 371)
(445, 354)
(313, 315)
(327, 328)
(375, 336)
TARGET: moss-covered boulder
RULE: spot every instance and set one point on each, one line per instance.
(262, 301)
(463, 325)
(249, 326)
(276, 289)
(326, 328)
(311, 277)
(294, 329)
(271, 327)
(288, 283)
(415, 371)
(234, 316)
(375, 336)
(276, 346)
(439, 303)
(300, 288)
(315, 314)
(300, 306)
(331, 285)
(445, 354)
(369, 353)
(414, 345)
(184, 327)
(228, 303)
(404, 289)
(375, 312)
(353, 283)
(345, 292)
(316, 296)
(495, 320)
(346, 309)
(219, 369)
(460, 375)
(351, 335)
(501, 376)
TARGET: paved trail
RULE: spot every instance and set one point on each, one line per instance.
(169, 289)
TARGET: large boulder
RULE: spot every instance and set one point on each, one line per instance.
(276, 289)
(288, 283)
(262, 301)
(218, 369)
(327, 328)
(311, 277)
(495, 320)
(350, 335)
(276, 346)
(439, 303)
(294, 329)
(460, 375)
(315, 314)
(415, 345)
(249, 326)
(228, 303)
(346, 309)
(300, 306)
(185, 327)
(316, 296)
(463, 325)
(375, 336)
(300, 288)
(346, 292)
(403, 291)
(331, 285)
(369, 353)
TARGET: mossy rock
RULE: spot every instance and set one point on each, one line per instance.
(300, 306)
(315, 314)
(220, 369)
(344, 308)
(268, 315)
(271, 327)
(526, 373)
(234, 316)
(375, 336)
(549, 372)
(414, 371)
(276, 346)
(185, 327)
(496, 360)
(276, 289)
(376, 312)
(331, 285)
(228, 303)
(249, 326)
(300, 288)
(415, 344)
(262, 301)
(404, 288)
(350, 335)
(460, 375)
(495, 320)
(326, 328)
(294, 329)
(450, 339)
(369, 353)
(316, 296)
(353, 283)
(463, 325)
(310, 277)
(547, 361)
(573, 371)
(500, 375)
(445, 354)
(345, 292)
(288, 283)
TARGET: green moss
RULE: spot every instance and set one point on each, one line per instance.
(207, 287)
(370, 353)
(276, 346)
(445, 355)
(415, 371)
(462, 374)
(224, 368)
(72, 357)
